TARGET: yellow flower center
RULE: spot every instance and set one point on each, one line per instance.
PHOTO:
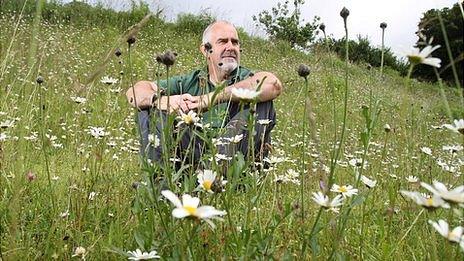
(191, 210)
(207, 184)
(187, 119)
(429, 202)
(343, 189)
(414, 59)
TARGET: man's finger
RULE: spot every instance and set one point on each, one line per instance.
(183, 106)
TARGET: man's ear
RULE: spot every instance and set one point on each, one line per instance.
(203, 50)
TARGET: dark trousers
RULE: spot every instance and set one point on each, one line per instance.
(192, 147)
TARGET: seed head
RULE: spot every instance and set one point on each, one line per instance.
(118, 52)
(39, 79)
(322, 27)
(131, 40)
(383, 25)
(303, 70)
(344, 13)
(168, 58)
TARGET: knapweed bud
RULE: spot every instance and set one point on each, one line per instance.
(344, 13)
(322, 27)
(168, 58)
(208, 47)
(131, 39)
(383, 25)
(30, 176)
(118, 52)
(39, 79)
(387, 128)
(303, 70)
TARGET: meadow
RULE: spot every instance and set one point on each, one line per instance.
(73, 185)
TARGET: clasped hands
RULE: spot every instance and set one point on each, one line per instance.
(174, 103)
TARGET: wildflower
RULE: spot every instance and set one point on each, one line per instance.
(443, 228)
(274, 160)
(6, 124)
(324, 201)
(118, 52)
(344, 13)
(426, 150)
(92, 195)
(79, 252)
(264, 121)
(3, 137)
(78, 100)
(417, 57)
(138, 255)
(322, 27)
(154, 140)
(346, 191)
(303, 70)
(387, 128)
(245, 94)
(452, 148)
(108, 80)
(97, 132)
(383, 25)
(30, 176)
(458, 126)
(39, 79)
(64, 214)
(168, 58)
(454, 196)
(291, 176)
(236, 139)
(191, 118)
(131, 40)
(206, 180)
(368, 182)
(220, 156)
(358, 163)
(425, 201)
(189, 208)
(412, 179)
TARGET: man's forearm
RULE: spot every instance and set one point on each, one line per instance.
(270, 89)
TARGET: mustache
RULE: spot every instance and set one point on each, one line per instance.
(229, 53)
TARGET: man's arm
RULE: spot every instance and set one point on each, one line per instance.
(141, 96)
(270, 89)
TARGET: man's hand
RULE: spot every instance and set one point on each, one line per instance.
(183, 102)
(144, 91)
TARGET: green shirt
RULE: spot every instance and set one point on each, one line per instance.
(197, 83)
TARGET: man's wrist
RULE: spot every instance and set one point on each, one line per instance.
(156, 96)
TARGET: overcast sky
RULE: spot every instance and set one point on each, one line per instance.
(401, 16)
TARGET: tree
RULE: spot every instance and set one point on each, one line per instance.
(280, 24)
(429, 28)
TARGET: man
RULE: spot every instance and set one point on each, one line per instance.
(195, 91)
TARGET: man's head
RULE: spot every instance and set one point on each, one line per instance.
(224, 54)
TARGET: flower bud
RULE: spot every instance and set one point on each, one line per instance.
(39, 79)
(322, 27)
(30, 176)
(131, 39)
(344, 13)
(387, 128)
(168, 58)
(118, 52)
(383, 25)
(303, 70)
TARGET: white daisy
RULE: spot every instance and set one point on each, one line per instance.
(442, 227)
(191, 118)
(245, 94)
(97, 132)
(458, 126)
(220, 157)
(78, 100)
(79, 252)
(324, 201)
(425, 201)
(206, 178)
(108, 80)
(3, 137)
(154, 140)
(236, 139)
(455, 195)
(346, 191)
(452, 148)
(412, 179)
(7, 124)
(138, 255)
(188, 207)
(426, 150)
(368, 182)
(417, 56)
(264, 121)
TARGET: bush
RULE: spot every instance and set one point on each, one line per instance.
(195, 24)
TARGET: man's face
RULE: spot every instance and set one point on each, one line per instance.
(225, 54)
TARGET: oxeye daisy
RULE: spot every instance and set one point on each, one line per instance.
(245, 94)
(417, 56)
(206, 179)
(189, 207)
(425, 201)
(455, 195)
(325, 202)
(191, 118)
(139, 255)
(346, 191)
(458, 126)
(442, 227)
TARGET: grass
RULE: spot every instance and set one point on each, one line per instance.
(263, 223)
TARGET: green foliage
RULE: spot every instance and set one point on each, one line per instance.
(429, 27)
(361, 51)
(194, 23)
(281, 24)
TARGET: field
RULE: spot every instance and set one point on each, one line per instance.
(66, 185)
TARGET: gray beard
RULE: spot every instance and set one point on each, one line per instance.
(228, 67)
